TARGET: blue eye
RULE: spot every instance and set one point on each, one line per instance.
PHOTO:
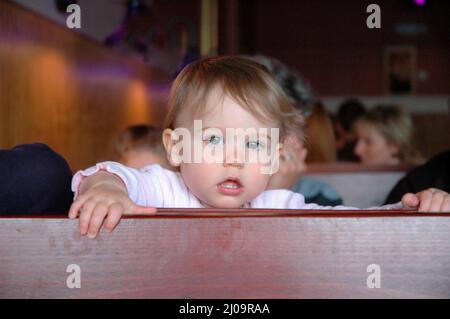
(214, 139)
(254, 145)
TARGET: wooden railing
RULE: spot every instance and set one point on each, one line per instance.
(230, 254)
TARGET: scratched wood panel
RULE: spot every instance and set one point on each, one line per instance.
(229, 257)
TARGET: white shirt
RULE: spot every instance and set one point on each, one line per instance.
(155, 186)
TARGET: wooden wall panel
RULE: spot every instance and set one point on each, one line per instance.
(432, 133)
(60, 88)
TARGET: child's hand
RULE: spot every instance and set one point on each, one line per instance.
(430, 200)
(106, 200)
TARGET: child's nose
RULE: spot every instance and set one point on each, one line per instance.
(237, 165)
(234, 158)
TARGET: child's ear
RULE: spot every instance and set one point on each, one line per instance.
(281, 149)
(170, 139)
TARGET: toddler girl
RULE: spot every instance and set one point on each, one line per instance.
(213, 103)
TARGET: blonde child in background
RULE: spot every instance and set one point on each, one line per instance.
(385, 137)
(224, 93)
(140, 145)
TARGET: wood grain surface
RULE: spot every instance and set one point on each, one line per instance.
(264, 254)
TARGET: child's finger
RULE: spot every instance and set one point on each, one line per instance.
(76, 205)
(142, 210)
(425, 200)
(97, 218)
(446, 204)
(410, 200)
(114, 214)
(436, 202)
(85, 216)
(74, 208)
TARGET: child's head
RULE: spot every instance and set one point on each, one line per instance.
(349, 111)
(227, 93)
(141, 145)
(294, 85)
(385, 136)
(319, 134)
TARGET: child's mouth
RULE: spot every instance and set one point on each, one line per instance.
(230, 186)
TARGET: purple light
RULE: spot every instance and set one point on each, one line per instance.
(420, 2)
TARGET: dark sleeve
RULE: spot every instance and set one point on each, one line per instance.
(34, 180)
(435, 173)
(405, 185)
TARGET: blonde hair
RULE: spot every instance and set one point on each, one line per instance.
(246, 81)
(319, 134)
(395, 125)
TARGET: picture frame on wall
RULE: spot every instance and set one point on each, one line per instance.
(399, 70)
